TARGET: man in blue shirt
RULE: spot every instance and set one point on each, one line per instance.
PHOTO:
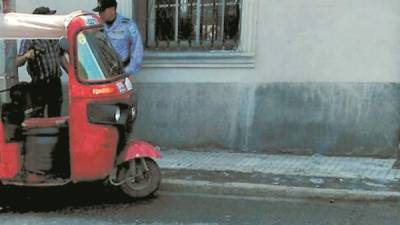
(123, 34)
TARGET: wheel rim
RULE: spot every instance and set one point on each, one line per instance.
(141, 181)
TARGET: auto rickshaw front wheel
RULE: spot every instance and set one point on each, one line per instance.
(145, 181)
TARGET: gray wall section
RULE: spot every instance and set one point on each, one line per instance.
(189, 115)
(358, 119)
(332, 119)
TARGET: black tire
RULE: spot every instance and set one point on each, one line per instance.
(145, 185)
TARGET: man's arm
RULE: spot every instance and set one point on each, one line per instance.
(25, 52)
(20, 60)
(136, 50)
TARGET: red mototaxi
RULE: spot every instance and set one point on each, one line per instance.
(92, 141)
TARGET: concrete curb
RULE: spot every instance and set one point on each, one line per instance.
(265, 190)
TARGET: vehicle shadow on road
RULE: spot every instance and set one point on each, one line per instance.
(70, 197)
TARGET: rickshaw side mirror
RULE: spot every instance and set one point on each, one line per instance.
(64, 44)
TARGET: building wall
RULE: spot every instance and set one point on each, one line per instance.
(328, 41)
(325, 79)
(313, 41)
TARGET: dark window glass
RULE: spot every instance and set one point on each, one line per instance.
(190, 24)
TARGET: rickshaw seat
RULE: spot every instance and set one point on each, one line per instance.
(45, 122)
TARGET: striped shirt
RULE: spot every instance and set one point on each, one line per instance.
(46, 64)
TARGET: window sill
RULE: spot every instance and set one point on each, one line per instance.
(217, 59)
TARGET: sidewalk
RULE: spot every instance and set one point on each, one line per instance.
(262, 175)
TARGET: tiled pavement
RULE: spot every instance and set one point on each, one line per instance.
(310, 166)
(288, 176)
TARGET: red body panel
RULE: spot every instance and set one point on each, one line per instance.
(10, 162)
(92, 147)
(139, 149)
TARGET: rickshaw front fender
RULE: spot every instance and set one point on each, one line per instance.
(138, 149)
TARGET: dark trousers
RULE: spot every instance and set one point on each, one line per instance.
(47, 93)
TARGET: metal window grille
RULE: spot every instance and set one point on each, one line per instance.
(180, 25)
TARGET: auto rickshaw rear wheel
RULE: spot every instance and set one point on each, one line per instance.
(147, 179)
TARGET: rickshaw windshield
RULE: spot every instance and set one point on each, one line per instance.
(97, 58)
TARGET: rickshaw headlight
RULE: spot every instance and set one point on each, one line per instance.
(110, 114)
(117, 114)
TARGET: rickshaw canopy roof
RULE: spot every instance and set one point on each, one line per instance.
(34, 26)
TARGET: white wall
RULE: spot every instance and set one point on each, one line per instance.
(329, 41)
(313, 41)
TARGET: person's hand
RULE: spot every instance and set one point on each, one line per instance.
(30, 54)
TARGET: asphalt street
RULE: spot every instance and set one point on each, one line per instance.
(83, 205)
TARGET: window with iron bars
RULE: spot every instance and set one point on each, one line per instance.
(185, 25)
